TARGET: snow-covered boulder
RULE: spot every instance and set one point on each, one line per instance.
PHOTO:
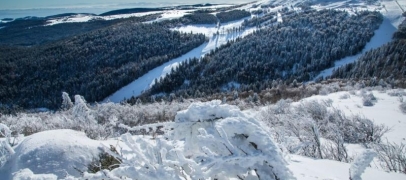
(27, 174)
(207, 111)
(59, 152)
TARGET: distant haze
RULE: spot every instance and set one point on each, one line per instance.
(42, 8)
(30, 4)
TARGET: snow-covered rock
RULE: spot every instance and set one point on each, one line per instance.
(59, 152)
(27, 174)
(207, 111)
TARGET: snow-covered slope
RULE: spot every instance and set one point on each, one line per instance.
(57, 152)
(220, 35)
(305, 168)
(385, 111)
(206, 140)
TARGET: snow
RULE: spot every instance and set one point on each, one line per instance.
(56, 152)
(279, 18)
(172, 14)
(27, 174)
(224, 145)
(385, 106)
(71, 19)
(305, 168)
(143, 83)
(220, 35)
(210, 139)
(360, 163)
(207, 140)
(207, 111)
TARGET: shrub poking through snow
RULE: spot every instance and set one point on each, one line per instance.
(402, 107)
(345, 96)
(368, 99)
(105, 161)
(208, 140)
(299, 127)
(5, 149)
(392, 156)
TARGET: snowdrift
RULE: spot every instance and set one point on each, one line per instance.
(58, 152)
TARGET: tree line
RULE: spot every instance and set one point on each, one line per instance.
(94, 64)
(299, 48)
(387, 61)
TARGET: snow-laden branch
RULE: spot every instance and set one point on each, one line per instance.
(208, 140)
(361, 163)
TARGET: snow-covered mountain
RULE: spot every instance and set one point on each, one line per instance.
(353, 129)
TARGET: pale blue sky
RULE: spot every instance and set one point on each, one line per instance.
(22, 4)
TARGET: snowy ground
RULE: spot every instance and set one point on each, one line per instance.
(305, 168)
(86, 17)
(385, 111)
(52, 154)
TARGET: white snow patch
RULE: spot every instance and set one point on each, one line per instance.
(305, 168)
(386, 106)
(360, 163)
(27, 174)
(56, 152)
(279, 18)
(70, 19)
(198, 112)
(171, 14)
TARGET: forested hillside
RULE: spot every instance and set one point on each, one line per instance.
(94, 64)
(34, 31)
(388, 61)
(298, 48)
(232, 15)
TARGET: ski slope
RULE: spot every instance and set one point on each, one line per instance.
(219, 35)
(144, 82)
(392, 18)
(381, 36)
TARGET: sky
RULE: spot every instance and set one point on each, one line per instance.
(28, 4)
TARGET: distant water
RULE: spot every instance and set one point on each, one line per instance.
(102, 8)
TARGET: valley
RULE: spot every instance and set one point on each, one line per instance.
(268, 89)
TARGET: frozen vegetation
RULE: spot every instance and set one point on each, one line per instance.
(195, 140)
(267, 125)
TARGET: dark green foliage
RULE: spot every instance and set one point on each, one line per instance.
(232, 15)
(201, 18)
(28, 32)
(104, 161)
(387, 61)
(299, 48)
(94, 64)
(257, 21)
(129, 11)
(401, 32)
